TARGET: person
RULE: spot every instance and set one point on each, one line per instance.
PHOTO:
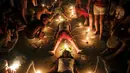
(9, 41)
(81, 11)
(99, 11)
(36, 25)
(65, 64)
(118, 43)
(23, 9)
(116, 53)
(59, 10)
(3, 66)
(42, 10)
(27, 5)
(89, 7)
(64, 33)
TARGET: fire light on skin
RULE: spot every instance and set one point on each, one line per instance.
(84, 40)
(61, 19)
(46, 29)
(36, 42)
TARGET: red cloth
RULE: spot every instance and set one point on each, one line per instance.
(82, 12)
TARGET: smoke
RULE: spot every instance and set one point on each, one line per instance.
(19, 60)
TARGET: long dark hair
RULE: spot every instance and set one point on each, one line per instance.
(67, 53)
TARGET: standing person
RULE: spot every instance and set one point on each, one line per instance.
(89, 7)
(99, 11)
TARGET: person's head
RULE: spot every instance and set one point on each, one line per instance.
(120, 12)
(44, 18)
(66, 54)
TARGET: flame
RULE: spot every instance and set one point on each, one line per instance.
(15, 65)
(89, 72)
(43, 5)
(65, 45)
(88, 29)
(38, 71)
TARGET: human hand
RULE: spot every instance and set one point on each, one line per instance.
(11, 71)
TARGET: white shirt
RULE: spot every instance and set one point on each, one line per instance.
(66, 64)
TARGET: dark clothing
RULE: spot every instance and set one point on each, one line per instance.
(33, 28)
(121, 30)
(119, 62)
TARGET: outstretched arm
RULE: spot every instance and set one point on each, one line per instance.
(13, 42)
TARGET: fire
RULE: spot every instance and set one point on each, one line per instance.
(15, 65)
(43, 5)
(38, 71)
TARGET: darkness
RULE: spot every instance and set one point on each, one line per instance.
(110, 54)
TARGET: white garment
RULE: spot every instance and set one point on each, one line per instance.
(99, 10)
(66, 64)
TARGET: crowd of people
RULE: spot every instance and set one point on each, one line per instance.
(30, 17)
